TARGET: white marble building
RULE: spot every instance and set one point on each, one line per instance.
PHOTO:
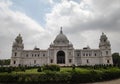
(61, 52)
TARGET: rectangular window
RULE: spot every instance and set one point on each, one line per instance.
(51, 60)
(26, 55)
(34, 61)
(87, 61)
(69, 53)
(70, 60)
(95, 54)
(15, 54)
(106, 52)
(43, 54)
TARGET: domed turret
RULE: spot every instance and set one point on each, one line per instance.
(18, 44)
(104, 42)
(61, 38)
(103, 37)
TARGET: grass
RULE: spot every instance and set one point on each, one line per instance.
(34, 71)
(28, 71)
(63, 69)
(77, 69)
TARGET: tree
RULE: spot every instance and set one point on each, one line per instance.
(73, 67)
(5, 62)
(39, 69)
(116, 58)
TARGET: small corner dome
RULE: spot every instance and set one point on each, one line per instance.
(61, 38)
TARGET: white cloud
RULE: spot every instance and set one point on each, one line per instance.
(86, 20)
(14, 22)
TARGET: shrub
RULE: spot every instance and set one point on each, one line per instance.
(51, 67)
(9, 70)
(21, 68)
(73, 67)
(71, 76)
(39, 69)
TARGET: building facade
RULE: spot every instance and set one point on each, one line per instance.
(61, 52)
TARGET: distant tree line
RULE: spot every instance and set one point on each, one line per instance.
(5, 62)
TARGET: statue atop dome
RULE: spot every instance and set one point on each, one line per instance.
(19, 39)
(18, 44)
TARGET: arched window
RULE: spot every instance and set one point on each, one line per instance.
(108, 61)
(15, 54)
(14, 62)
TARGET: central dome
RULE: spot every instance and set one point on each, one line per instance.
(61, 38)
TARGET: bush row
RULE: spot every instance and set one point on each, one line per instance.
(52, 67)
(10, 69)
(73, 76)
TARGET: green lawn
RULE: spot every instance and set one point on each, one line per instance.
(34, 71)
(63, 69)
(77, 69)
(28, 71)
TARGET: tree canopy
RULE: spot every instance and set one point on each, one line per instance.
(116, 58)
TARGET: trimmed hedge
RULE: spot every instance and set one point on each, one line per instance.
(51, 67)
(73, 76)
(10, 69)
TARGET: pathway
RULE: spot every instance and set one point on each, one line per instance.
(116, 81)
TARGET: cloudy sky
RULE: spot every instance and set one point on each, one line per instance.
(39, 21)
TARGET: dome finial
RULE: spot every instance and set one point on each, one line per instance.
(61, 30)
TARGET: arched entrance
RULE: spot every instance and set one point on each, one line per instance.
(60, 57)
